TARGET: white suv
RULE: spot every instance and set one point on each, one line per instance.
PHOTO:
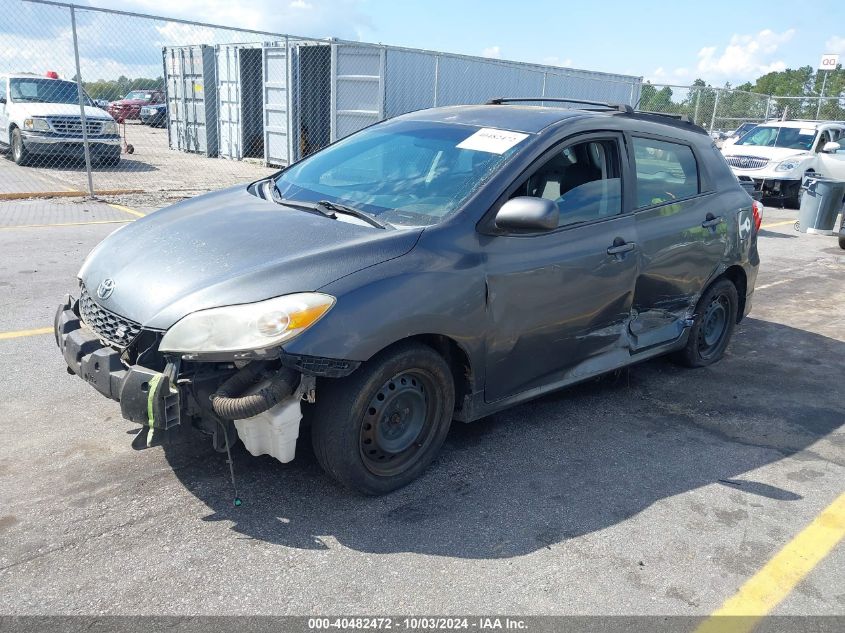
(39, 117)
(778, 154)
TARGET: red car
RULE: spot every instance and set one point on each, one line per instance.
(130, 106)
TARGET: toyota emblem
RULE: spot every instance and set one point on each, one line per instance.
(105, 288)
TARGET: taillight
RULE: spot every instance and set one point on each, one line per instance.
(757, 209)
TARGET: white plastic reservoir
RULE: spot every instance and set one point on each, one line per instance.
(273, 432)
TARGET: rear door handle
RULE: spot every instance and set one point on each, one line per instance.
(712, 222)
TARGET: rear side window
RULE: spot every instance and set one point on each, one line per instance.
(665, 172)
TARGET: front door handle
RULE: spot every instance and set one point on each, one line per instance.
(711, 221)
(619, 248)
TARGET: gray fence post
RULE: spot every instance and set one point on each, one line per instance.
(697, 100)
(85, 143)
(715, 108)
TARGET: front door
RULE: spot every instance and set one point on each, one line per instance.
(559, 299)
(683, 236)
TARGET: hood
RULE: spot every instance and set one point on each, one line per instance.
(62, 109)
(772, 153)
(129, 102)
(226, 248)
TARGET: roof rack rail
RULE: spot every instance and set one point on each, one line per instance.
(671, 115)
(621, 107)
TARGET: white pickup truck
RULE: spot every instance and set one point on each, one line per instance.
(778, 154)
(40, 118)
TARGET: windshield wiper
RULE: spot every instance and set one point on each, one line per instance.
(357, 213)
(329, 209)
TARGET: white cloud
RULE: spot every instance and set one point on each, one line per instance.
(745, 57)
(835, 44)
(346, 19)
(492, 51)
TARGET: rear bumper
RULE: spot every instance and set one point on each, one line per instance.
(146, 396)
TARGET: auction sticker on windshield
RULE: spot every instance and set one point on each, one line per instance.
(491, 140)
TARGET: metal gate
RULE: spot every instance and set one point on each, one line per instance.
(357, 84)
(275, 82)
(228, 88)
(191, 98)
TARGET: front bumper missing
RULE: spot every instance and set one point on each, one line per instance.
(146, 397)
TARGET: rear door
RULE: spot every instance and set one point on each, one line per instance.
(682, 233)
(559, 299)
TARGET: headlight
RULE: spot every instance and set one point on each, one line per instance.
(788, 165)
(249, 326)
(110, 127)
(36, 125)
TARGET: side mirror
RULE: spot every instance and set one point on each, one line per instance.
(831, 147)
(2, 99)
(528, 214)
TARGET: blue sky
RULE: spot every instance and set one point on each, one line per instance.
(676, 42)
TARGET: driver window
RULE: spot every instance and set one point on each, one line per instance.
(582, 179)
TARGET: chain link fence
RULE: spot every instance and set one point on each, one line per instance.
(723, 110)
(97, 102)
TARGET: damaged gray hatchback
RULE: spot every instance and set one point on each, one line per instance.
(441, 265)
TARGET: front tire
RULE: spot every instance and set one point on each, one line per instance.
(379, 429)
(19, 153)
(715, 319)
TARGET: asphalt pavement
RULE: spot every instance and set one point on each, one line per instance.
(657, 490)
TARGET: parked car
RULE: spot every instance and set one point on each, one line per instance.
(779, 154)
(129, 108)
(40, 118)
(154, 115)
(445, 264)
(733, 136)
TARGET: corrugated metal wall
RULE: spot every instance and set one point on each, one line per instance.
(350, 87)
(191, 73)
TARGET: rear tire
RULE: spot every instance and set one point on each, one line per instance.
(715, 319)
(19, 153)
(842, 242)
(379, 429)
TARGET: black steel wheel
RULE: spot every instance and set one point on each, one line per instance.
(398, 423)
(378, 429)
(715, 319)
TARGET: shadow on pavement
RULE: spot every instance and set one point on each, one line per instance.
(571, 463)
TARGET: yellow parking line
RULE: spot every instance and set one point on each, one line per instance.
(120, 207)
(22, 333)
(773, 224)
(769, 586)
(41, 226)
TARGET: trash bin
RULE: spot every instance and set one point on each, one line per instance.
(820, 204)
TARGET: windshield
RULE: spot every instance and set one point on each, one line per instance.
(410, 173)
(788, 137)
(37, 90)
(744, 128)
(139, 94)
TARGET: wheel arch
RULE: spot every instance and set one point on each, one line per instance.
(736, 275)
(455, 355)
